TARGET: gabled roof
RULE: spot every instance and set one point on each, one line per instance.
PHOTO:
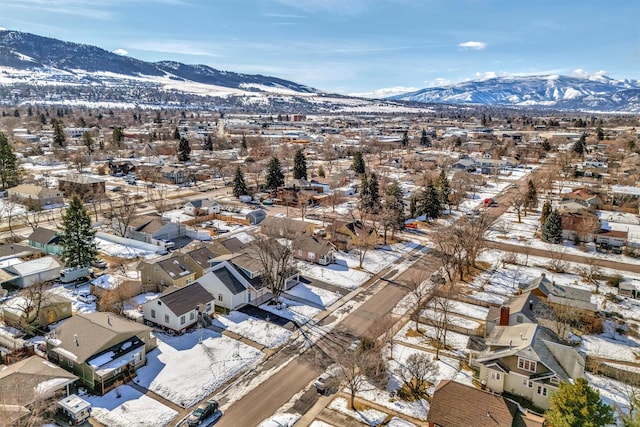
(86, 334)
(35, 266)
(226, 276)
(44, 236)
(31, 189)
(201, 256)
(454, 405)
(314, 244)
(176, 266)
(33, 373)
(185, 299)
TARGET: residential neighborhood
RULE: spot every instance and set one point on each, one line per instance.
(401, 270)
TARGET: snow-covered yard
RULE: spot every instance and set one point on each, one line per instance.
(184, 369)
(454, 340)
(125, 407)
(315, 296)
(292, 310)
(260, 331)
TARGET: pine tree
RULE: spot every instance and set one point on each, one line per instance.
(444, 188)
(580, 146)
(364, 197)
(9, 170)
(321, 172)
(373, 189)
(59, 137)
(239, 185)
(425, 141)
(405, 139)
(393, 206)
(184, 150)
(88, 142)
(176, 134)
(358, 163)
(275, 176)
(546, 146)
(552, 228)
(117, 136)
(77, 236)
(243, 144)
(546, 210)
(428, 203)
(208, 143)
(599, 133)
(531, 198)
(299, 165)
(578, 405)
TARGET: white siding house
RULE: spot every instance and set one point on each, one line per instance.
(179, 309)
(226, 285)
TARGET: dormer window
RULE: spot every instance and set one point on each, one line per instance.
(526, 364)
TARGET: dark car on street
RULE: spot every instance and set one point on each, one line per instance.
(203, 411)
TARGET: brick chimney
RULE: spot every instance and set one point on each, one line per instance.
(504, 316)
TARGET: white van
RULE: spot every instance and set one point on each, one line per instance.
(74, 410)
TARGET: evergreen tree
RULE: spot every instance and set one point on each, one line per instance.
(425, 141)
(59, 137)
(444, 188)
(208, 143)
(546, 210)
(578, 405)
(405, 139)
(321, 172)
(364, 197)
(9, 170)
(243, 144)
(88, 142)
(599, 133)
(117, 136)
(531, 198)
(546, 146)
(374, 194)
(77, 236)
(184, 150)
(393, 206)
(581, 145)
(176, 134)
(299, 165)
(275, 176)
(428, 203)
(358, 162)
(552, 228)
(239, 185)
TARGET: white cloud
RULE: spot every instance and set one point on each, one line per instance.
(583, 74)
(385, 92)
(3, 29)
(121, 52)
(486, 75)
(473, 45)
(438, 82)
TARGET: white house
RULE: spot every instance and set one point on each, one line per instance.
(178, 309)
(201, 207)
(227, 286)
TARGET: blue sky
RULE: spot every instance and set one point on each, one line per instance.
(354, 46)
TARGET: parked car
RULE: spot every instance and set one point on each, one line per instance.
(203, 411)
(115, 189)
(86, 297)
(329, 381)
(168, 244)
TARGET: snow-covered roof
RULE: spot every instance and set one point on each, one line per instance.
(28, 268)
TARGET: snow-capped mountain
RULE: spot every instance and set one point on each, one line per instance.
(595, 93)
(35, 69)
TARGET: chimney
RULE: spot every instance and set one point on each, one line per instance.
(531, 304)
(109, 319)
(542, 275)
(504, 316)
(75, 339)
(522, 337)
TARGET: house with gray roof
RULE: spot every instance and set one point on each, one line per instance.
(100, 348)
(45, 240)
(526, 360)
(28, 273)
(175, 269)
(563, 296)
(229, 288)
(178, 309)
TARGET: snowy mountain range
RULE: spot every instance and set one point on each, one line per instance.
(35, 69)
(593, 93)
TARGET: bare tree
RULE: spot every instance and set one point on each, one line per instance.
(417, 374)
(29, 303)
(591, 273)
(32, 217)
(123, 211)
(517, 202)
(556, 258)
(442, 306)
(358, 366)
(275, 258)
(365, 239)
(421, 290)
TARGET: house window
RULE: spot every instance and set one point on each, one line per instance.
(153, 314)
(70, 363)
(192, 316)
(519, 319)
(299, 252)
(496, 376)
(166, 318)
(188, 281)
(182, 320)
(219, 297)
(312, 255)
(527, 383)
(542, 390)
(553, 380)
(526, 364)
(208, 309)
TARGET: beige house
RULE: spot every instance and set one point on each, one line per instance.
(36, 311)
(175, 269)
(527, 361)
(101, 348)
(34, 196)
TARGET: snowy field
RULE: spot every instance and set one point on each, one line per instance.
(370, 417)
(122, 251)
(315, 296)
(185, 369)
(260, 331)
(454, 340)
(292, 310)
(125, 407)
